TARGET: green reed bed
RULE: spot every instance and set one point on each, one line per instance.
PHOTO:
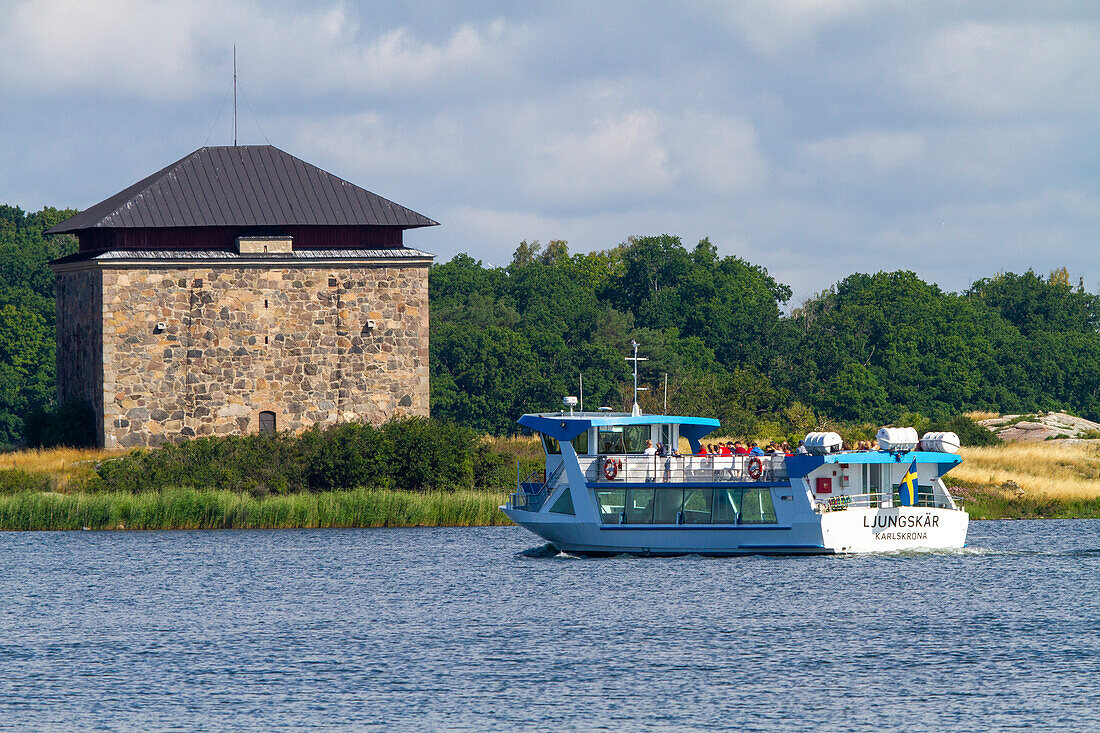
(212, 509)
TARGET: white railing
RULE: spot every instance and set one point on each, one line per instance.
(842, 502)
(680, 469)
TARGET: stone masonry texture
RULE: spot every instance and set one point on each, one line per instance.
(190, 351)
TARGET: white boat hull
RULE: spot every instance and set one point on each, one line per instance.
(891, 529)
(852, 531)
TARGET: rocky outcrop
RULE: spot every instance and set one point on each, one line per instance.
(1038, 427)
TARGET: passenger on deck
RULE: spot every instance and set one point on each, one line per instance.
(754, 450)
(739, 449)
(661, 450)
(724, 449)
(649, 449)
(802, 449)
(702, 450)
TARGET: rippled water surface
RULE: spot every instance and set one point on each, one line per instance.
(478, 629)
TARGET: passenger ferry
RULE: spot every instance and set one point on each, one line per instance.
(600, 494)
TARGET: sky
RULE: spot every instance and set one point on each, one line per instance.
(815, 138)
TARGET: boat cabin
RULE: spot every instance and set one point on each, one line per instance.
(605, 454)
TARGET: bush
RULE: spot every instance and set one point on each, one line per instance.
(259, 463)
(70, 424)
(430, 454)
(970, 433)
(346, 456)
(411, 454)
(493, 469)
(16, 481)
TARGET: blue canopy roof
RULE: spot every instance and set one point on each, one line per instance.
(799, 466)
(567, 427)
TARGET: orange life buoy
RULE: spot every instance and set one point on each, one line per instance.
(756, 468)
(610, 468)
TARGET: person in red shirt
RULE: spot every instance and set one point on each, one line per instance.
(724, 448)
(739, 449)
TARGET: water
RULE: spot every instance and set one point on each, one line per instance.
(460, 629)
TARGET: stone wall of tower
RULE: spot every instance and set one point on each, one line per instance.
(191, 351)
(79, 305)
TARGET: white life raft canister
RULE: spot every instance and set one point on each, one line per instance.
(897, 440)
(940, 442)
(821, 444)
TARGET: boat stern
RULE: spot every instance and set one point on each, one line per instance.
(890, 529)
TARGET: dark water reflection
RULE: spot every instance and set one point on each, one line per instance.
(459, 628)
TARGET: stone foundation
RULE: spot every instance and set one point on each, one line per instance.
(190, 351)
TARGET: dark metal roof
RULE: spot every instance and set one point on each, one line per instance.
(246, 185)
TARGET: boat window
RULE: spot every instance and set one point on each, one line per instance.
(611, 440)
(580, 443)
(757, 507)
(550, 445)
(666, 506)
(697, 506)
(664, 436)
(634, 437)
(623, 439)
(726, 506)
(564, 504)
(639, 506)
(611, 503)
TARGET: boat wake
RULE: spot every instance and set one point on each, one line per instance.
(540, 552)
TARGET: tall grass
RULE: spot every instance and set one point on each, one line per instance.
(63, 464)
(991, 502)
(210, 509)
(1051, 469)
(977, 415)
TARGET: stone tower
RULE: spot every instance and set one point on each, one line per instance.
(241, 289)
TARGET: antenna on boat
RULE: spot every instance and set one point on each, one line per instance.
(666, 393)
(636, 411)
(581, 374)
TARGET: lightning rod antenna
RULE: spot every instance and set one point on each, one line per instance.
(234, 95)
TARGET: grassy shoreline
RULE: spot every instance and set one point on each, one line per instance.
(45, 490)
(183, 509)
(214, 509)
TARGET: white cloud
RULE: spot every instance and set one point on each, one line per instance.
(717, 153)
(876, 150)
(614, 158)
(771, 27)
(990, 68)
(173, 51)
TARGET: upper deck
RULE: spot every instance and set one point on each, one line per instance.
(609, 450)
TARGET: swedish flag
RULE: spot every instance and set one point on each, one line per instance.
(908, 486)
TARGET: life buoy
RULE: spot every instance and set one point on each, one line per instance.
(756, 468)
(611, 468)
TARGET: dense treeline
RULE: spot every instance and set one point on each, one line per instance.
(873, 348)
(27, 346)
(507, 340)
